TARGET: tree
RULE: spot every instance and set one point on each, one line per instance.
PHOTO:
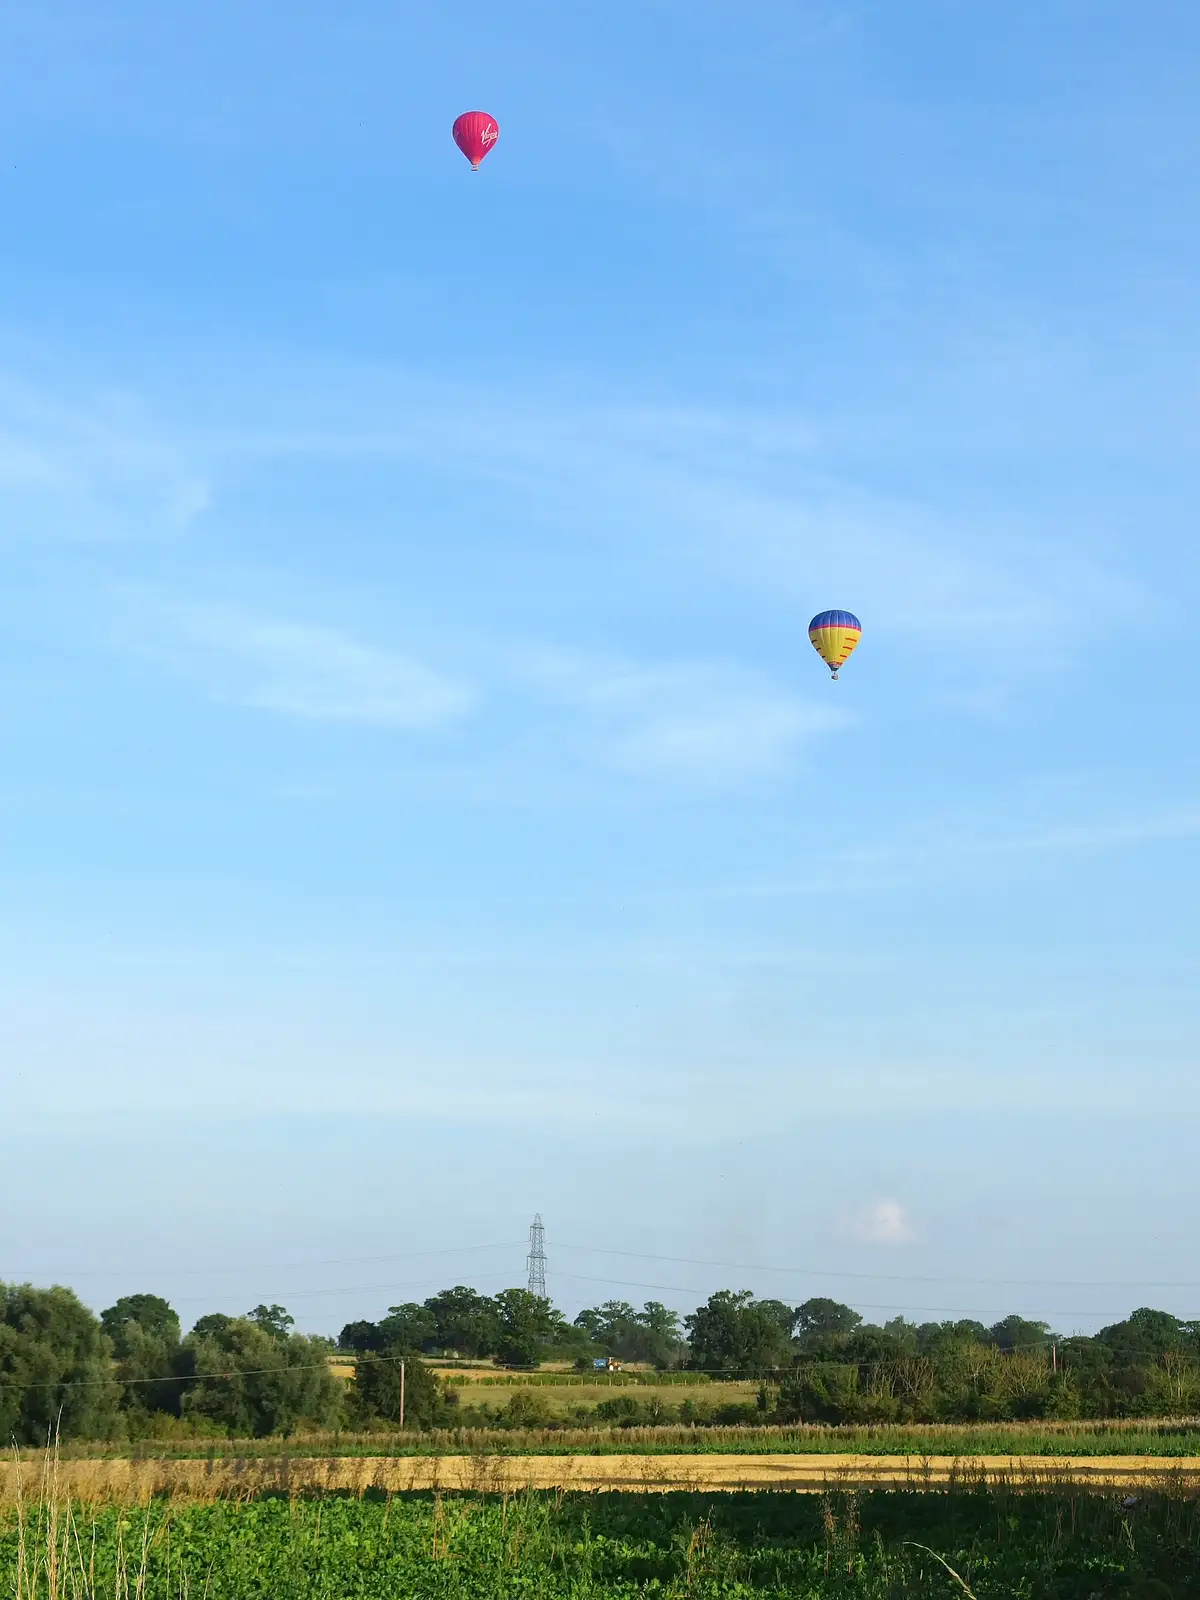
(528, 1325)
(657, 1336)
(784, 1314)
(273, 1320)
(651, 1334)
(1017, 1333)
(56, 1371)
(409, 1327)
(466, 1321)
(361, 1336)
(821, 1322)
(1145, 1336)
(376, 1389)
(144, 1331)
(212, 1324)
(934, 1337)
(148, 1313)
(903, 1332)
(610, 1326)
(253, 1382)
(732, 1333)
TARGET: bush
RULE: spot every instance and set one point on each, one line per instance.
(825, 1391)
(527, 1409)
(623, 1411)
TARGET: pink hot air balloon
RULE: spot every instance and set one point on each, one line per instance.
(475, 133)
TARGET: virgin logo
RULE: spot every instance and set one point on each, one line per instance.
(489, 134)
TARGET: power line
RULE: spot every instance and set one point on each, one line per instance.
(263, 1266)
(188, 1377)
(350, 1288)
(893, 1277)
(952, 1311)
(607, 1250)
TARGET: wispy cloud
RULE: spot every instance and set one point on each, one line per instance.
(91, 464)
(715, 722)
(298, 670)
(774, 505)
(771, 503)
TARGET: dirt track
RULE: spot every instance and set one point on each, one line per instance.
(220, 1478)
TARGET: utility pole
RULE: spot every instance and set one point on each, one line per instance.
(537, 1257)
(402, 1394)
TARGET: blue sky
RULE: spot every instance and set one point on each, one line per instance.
(421, 804)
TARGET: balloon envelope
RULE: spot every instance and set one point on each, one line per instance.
(834, 635)
(475, 132)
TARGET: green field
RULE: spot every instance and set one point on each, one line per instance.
(877, 1546)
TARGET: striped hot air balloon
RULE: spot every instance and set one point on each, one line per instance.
(834, 635)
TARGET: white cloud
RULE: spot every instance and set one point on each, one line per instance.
(310, 673)
(91, 464)
(707, 721)
(768, 503)
(553, 710)
(881, 1222)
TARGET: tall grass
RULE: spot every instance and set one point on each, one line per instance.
(1167, 1437)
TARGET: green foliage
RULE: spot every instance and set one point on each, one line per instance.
(527, 1409)
(410, 1327)
(274, 1320)
(782, 1313)
(822, 1319)
(467, 1322)
(55, 1367)
(652, 1334)
(822, 1361)
(144, 1331)
(735, 1334)
(878, 1546)
(528, 1327)
(1018, 1333)
(212, 1325)
(361, 1336)
(381, 1378)
(825, 1391)
(254, 1381)
(146, 1315)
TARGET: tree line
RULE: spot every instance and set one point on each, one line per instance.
(131, 1371)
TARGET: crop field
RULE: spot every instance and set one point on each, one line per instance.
(1177, 1439)
(987, 1543)
(230, 1476)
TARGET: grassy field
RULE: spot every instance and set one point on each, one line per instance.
(564, 1398)
(991, 1545)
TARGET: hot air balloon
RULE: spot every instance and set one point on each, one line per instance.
(475, 133)
(834, 635)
